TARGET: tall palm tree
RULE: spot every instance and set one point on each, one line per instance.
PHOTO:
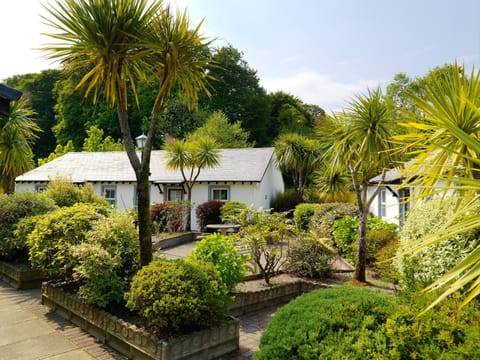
(191, 158)
(357, 142)
(17, 133)
(299, 157)
(446, 142)
(121, 42)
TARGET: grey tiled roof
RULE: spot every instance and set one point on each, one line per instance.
(235, 165)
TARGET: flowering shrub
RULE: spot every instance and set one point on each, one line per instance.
(168, 216)
(107, 258)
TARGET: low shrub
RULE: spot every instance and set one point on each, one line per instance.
(325, 216)
(107, 259)
(445, 332)
(178, 296)
(49, 242)
(335, 323)
(65, 193)
(233, 212)
(208, 213)
(221, 252)
(285, 201)
(13, 208)
(302, 215)
(168, 216)
(310, 257)
(384, 264)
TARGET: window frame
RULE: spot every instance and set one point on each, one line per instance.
(104, 188)
(213, 188)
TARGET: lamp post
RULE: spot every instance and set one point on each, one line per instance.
(141, 140)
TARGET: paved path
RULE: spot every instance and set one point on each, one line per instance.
(29, 331)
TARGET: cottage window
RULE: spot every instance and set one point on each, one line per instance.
(382, 203)
(174, 194)
(109, 192)
(40, 188)
(220, 193)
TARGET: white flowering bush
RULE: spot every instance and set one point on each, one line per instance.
(420, 268)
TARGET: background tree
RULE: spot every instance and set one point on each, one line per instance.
(96, 142)
(120, 42)
(225, 134)
(446, 140)
(358, 142)
(17, 133)
(59, 151)
(38, 88)
(297, 156)
(190, 158)
(238, 94)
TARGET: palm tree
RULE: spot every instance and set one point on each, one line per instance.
(17, 133)
(446, 142)
(298, 156)
(357, 142)
(190, 158)
(121, 42)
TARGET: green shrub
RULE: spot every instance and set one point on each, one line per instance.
(325, 216)
(233, 212)
(221, 252)
(335, 323)
(208, 213)
(302, 215)
(445, 332)
(49, 242)
(384, 263)
(106, 259)
(379, 233)
(418, 270)
(13, 208)
(266, 236)
(178, 296)
(65, 193)
(285, 201)
(310, 257)
(168, 216)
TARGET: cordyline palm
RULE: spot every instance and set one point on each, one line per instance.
(446, 142)
(190, 158)
(16, 135)
(298, 156)
(358, 143)
(121, 42)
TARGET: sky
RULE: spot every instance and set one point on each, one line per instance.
(322, 51)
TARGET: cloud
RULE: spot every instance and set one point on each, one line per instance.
(318, 89)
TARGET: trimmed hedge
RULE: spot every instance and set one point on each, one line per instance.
(336, 323)
(303, 214)
(325, 216)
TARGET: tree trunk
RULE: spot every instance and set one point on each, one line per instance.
(188, 213)
(361, 258)
(144, 222)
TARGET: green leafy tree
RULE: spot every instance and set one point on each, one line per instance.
(358, 142)
(38, 89)
(226, 135)
(446, 141)
(120, 42)
(238, 94)
(17, 133)
(96, 142)
(297, 156)
(190, 158)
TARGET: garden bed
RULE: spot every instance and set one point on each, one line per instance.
(254, 295)
(173, 240)
(21, 276)
(135, 342)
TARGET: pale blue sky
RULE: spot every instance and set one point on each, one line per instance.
(321, 51)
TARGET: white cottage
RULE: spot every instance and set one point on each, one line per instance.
(391, 203)
(249, 175)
